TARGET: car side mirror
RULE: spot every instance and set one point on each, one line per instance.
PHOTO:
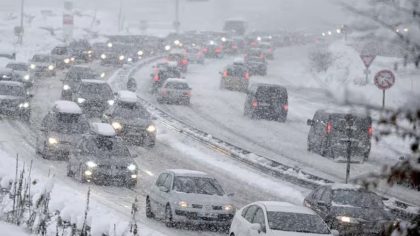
(310, 122)
(335, 232)
(231, 194)
(163, 189)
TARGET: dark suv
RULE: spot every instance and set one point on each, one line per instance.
(74, 77)
(266, 101)
(331, 134)
(235, 77)
(349, 209)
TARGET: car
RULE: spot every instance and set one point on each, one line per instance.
(213, 50)
(235, 76)
(131, 121)
(42, 65)
(277, 218)
(7, 74)
(98, 49)
(267, 49)
(61, 129)
(102, 157)
(74, 77)
(94, 97)
(266, 101)
(180, 57)
(257, 66)
(188, 196)
(229, 46)
(330, 133)
(195, 55)
(350, 209)
(254, 52)
(81, 51)
(61, 56)
(14, 100)
(113, 56)
(22, 69)
(162, 72)
(174, 90)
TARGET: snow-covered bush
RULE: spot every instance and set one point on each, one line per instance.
(321, 59)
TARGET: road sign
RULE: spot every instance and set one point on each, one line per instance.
(384, 79)
(367, 59)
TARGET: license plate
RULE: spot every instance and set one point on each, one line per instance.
(209, 215)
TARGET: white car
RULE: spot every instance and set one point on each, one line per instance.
(186, 196)
(277, 218)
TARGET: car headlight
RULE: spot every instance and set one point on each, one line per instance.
(32, 66)
(121, 57)
(67, 61)
(66, 87)
(103, 56)
(167, 47)
(102, 74)
(26, 77)
(183, 204)
(117, 125)
(81, 100)
(151, 128)
(129, 59)
(50, 67)
(109, 45)
(89, 52)
(52, 141)
(91, 164)
(134, 176)
(228, 207)
(72, 59)
(24, 105)
(111, 102)
(346, 219)
(131, 167)
(140, 53)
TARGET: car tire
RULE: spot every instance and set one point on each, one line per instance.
(149, 212)
(82, 178)
(168, 217)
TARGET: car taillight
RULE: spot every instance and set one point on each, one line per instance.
(205, 50)
(156, 77)
(270, 50)
(188, 93)
(370, 131)
(285, 107)
(218, 50)
(328, 128)
(225, 73)
(254, 103)
(246, 76)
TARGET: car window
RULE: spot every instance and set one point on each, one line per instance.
(318, 194)
(177, 85)
(197, 185)
(249, 216)
(104, 90)
(244, 211)
(296, 222)
(10, 90)
(168, 182)
(259, 218)
(161, 180)
(326, 196)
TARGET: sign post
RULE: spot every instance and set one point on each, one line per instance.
(367, 60)
(68, 20)
(384, 80)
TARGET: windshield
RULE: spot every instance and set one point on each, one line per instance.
(198, 185)
(69, 124)
(105, 147)
(130, 111)
(101, 89)
(354, 198)
(59, 51)
(41, 58)
(10, 90)
(295, 222)
(18, 67)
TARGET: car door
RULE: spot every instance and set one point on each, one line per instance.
(155, 198)
(259, 218)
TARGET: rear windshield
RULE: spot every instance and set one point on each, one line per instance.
(170, 73)
(10, 90)
(271, 94)
(69, 124)
(237, 71)
(295, 222)
(130, 111)
(175, 57)
(177, 85)
(18, 67)
(96, 89)
(358, 125)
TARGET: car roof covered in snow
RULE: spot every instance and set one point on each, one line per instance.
(285, 207)
(67, 107)
(183, 172)
(12, 83)
(238, 60)
(338, 186)
(172, 64)
(103, 129)
(176, 80)
(93, 81)
(127, 96)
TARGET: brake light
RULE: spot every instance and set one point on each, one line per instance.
(246, 76)
(285, 107)
(218, 50)
(184, 61)
(271, 50)
(328, 128)
(370, 131)
(225, 73)
(205, 50)
(188, 93)
(254, 103)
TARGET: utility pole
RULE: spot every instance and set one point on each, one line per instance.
(21, 22)
(177, 23)
(120, 23)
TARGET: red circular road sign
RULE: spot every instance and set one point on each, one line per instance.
(384, 79)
